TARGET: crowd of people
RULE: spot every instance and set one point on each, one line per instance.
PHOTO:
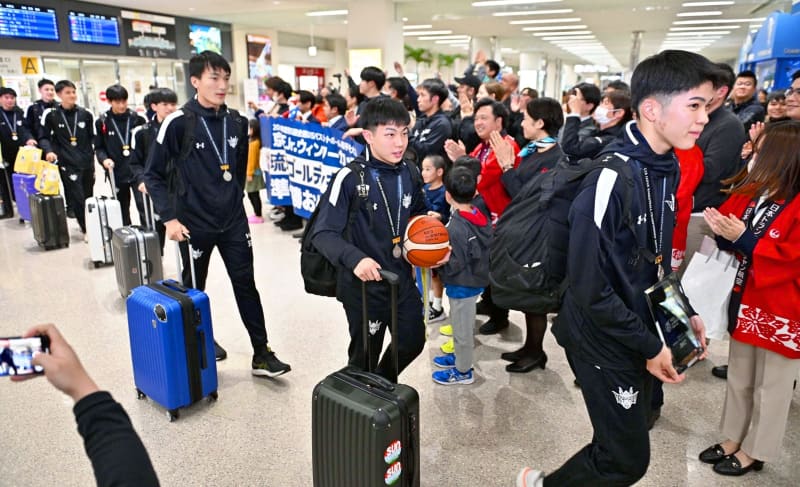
(703, 157)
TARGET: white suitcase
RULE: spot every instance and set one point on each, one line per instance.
(103, 216)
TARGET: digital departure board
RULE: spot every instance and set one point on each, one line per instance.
(93, 28)
(28, 22)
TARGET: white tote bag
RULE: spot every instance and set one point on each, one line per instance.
(708, 282)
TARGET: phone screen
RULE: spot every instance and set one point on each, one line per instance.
(16, 354)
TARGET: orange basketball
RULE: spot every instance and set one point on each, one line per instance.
(426, 241)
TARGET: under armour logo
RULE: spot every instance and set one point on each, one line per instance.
(196, 254)
(200, 145)
(626, 399)
(249, 240)
(671, 203)
(406, 200)
(374, 326)
(232, 141)
(642, 219)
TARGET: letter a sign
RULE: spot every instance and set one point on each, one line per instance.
(30, 65)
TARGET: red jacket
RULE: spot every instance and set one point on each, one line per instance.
(692, 169)
(489, 185)
(769, 315)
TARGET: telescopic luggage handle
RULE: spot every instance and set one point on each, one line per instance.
(394, 281)
(113, 182)
(149, 213)
(191, 260)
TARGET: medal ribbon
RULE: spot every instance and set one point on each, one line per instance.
(125, 141)
(72, 136)
(12, 126)
(658, 237)
(395, 229)
(223, 159)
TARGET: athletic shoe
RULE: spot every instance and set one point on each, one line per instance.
(448, 347)
(491, 327)
(435, 315)
(528, 477)
(255, 219)
(219, 352)
(276, 214)
(446, 330)
(85, 237)
(267, 364)
(445, 361)
(449, 377)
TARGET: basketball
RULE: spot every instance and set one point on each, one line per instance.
(426, 241)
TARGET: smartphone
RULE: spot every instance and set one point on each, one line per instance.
(16, 354)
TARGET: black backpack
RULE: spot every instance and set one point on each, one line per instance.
(319, 274)
(529, 248)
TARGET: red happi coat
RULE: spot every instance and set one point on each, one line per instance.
(490, 186)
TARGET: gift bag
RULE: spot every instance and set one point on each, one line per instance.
(708, 282)
(48, 179)
(27, 161)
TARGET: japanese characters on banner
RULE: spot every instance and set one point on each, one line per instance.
(299, 159)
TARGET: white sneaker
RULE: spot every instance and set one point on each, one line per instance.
(528, 477)
(86, 238)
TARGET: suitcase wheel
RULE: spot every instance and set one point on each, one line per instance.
(213, 396)
(140, 394)
(21, 221)
(172, 415)
(97, 264)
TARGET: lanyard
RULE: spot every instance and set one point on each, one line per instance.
(125, 141)
(12, 126)
(394, 227)
(223, 159)
(658, 237)
(73, 139)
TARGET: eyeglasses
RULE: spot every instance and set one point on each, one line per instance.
(792, 91)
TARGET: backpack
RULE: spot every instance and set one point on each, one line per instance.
(319, 274)
(528, 254)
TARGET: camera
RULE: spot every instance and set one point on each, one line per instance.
(16, 354)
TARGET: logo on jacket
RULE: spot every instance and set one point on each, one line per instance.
(670, 203)
(775, 233)
(626, 399)
(232, 141)
(374, 326)
(406, 200)
(641, 220)
(196, 254)
(200, 145)
(82, 125)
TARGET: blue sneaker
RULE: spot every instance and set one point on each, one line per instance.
(445, 361)
(452, 376)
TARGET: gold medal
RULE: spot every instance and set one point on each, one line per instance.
(73, 141)
(14, 136)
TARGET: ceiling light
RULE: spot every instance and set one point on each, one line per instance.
(420, 26)
(545, 21)
(565, 33)
(405, 19)
(326, 13)
(534, 12)
(572, 38)
(500, 3)
(454, 42)
(554, 27)
(699, 14)
(427, 32)
(443, 38)
(718, 27)
(718, 21)
(706, 4)
(718, 33)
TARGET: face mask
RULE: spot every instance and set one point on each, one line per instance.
(601, 115)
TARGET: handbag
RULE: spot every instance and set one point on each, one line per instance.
(27, 161)
(48, 179)
(708, 282)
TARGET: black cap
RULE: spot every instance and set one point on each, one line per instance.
(470, 80)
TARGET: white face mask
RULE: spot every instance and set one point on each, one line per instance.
(601, 115)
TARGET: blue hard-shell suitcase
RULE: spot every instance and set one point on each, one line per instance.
(172, 345)
(24, 186)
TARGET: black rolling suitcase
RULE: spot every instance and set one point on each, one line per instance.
(137, 253)
(365, 429)
(49, 221)
(6, 201)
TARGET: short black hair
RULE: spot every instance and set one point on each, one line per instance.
(8, 91)
(621, 100)
(354, 93)
(398, 84)
(469, 162)
(548, 111)
(460, 182)
(383, 110)
(162, 95)
(619, 85)
(669, 73)
(491, 65)
(438, 161)
(748, 74)
(498, 109)
(435, 87)
(207, 60)
(45, 81)
(776, 95)
(371, 73)
(725, 76)
(337, 101)
(306, 96)
(591, 94)
(116, 92)
(64, 83)
(255, 127)
(796, 75)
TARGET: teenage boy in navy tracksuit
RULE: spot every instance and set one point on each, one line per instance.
(202, 196)
(66, 137)
(605, 324)
(389, 196)
(113, 146)
(33, 118)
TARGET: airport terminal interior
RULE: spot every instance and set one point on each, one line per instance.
(258, 432)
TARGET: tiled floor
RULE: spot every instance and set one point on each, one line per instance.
(259, 432)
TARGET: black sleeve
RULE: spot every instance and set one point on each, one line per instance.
(433, 142)
(138, 152)
(24, 133)
(156, 172)
(511, 181)
(118, 456)
(45, 133)
(722, 151)
(571, 143)
(100, 150)
(466, 133)
(241, 151)
(32, 120)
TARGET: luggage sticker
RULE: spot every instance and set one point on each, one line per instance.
(392, 452)
(393, 473)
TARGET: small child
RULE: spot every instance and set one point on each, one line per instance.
(255, 179)
(464, 275)
(433, 169)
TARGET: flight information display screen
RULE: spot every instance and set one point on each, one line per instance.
(93, 28)
(28, 22)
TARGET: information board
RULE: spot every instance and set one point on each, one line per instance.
(93, 28)
(28, 22)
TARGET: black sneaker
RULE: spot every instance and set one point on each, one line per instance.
(267, 364)
(435, 315)
(219, 352)
(482, 308)
(491, 327)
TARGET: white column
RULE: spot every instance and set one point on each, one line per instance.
(373, 25)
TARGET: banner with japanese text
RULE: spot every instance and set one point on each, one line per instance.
(299, 159)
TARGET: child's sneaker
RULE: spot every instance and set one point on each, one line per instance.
(448, 347)
(445, 361)
(528, 477)
(452, 376)
(255, 219)
(446, 330)
(435, 315)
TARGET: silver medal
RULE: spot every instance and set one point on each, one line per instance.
(14, 137)
(73, 143)
(396, 252)
(126, 152)
(227, 176)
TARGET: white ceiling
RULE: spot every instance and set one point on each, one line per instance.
(610, 21)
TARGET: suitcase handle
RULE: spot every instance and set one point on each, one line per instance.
(175, 285)
(373, 380)
(203, 354)
(394, 281)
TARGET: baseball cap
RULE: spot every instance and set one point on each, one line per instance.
(470, 80)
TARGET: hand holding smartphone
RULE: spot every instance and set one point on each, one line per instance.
(16, 355)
